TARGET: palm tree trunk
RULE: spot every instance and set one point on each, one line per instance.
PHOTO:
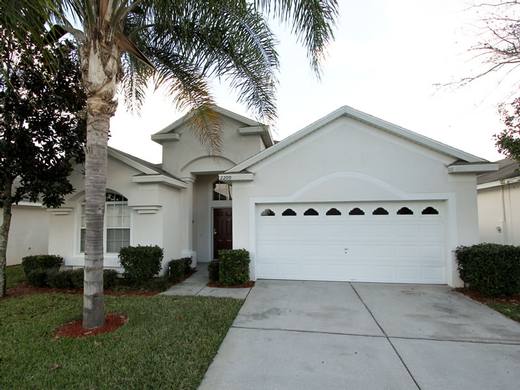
(95, 187)
(4, 235)
(100, 66)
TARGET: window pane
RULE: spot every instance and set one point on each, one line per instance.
(83, 223)
(117, 239)
(82, 240)
(221, 191)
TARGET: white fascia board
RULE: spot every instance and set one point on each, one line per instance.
(262, 130)
(25, 203)
(161, 179)
(498, 183)
(365, 118)
(251, 130)
(134, 164)
(236, 177)
(160, 138)
(220, 110)
(473, 168)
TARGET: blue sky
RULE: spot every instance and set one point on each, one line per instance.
(387, 59)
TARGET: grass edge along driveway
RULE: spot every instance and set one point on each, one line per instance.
(168, 342)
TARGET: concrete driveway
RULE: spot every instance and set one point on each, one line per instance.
(335, 335)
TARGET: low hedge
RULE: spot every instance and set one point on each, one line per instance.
(74, 279)
(41, 262)
(37, 268)
(233, 267)
(178, 268)
(213, 271)
(140, 263)
(491, 269)
(37, 277)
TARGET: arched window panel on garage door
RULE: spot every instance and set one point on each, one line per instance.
(333, 211)
(380, 211)
(356, 211)
(310, 212)
(404, 211)
(268, 213)
(289, 213)
(430, 211)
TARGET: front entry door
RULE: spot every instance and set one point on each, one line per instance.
(222, 230)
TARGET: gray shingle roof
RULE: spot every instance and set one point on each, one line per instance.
(507, 169)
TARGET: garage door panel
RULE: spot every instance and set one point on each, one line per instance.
(383, 248)
(352, 231)
(323, 252)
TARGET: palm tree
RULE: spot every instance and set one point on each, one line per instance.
(182, 44)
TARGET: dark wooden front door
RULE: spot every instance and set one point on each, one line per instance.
(222, 230)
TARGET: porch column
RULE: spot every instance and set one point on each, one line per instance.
(187, 212)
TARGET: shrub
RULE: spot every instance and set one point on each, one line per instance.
(109, 278)
(76, 277)
(57, 279)
(213, 271)
(187, 265)
(491, 269)
(140, 263)
(41, 262)
(234, 267)
(37, 277)
(178, 268)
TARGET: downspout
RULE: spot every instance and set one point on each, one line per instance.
(504, 221)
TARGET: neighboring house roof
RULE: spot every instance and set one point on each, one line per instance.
(508, 169)
(249, 124)
(462, 157)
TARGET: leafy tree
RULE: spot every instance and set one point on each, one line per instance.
(498, 49)
(508, 140)
(42, 126)
(178, 43)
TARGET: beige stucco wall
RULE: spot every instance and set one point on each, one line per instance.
(189, 156)
(28, 233)
(499, 214)
(348, 160)
(157, 227)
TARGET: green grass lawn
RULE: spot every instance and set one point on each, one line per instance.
(512, 310)
(14, 275)
(167, 343)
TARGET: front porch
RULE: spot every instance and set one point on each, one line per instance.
(211, 220)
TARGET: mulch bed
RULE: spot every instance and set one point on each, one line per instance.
(244, 285)
(512, 300)
(74, 329)
(26, 289)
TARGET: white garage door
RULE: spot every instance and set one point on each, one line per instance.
(396, 242)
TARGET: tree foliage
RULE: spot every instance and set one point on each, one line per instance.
(508, 140)
(498, 49)
(42, 125)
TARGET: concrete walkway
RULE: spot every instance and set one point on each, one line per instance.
(196, 285)
(334, 335)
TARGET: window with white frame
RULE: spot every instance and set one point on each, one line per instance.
(221, 190)
(117, 223)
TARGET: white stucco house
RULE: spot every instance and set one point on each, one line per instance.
(499, 204)
(349, 197)
(28, 233)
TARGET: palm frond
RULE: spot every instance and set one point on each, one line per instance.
(312, 21)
